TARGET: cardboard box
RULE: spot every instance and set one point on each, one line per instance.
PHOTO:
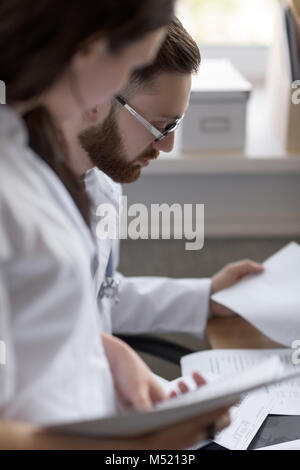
(216, 118)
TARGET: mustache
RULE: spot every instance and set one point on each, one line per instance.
(148, 155)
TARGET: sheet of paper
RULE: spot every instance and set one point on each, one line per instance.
(290, 445)
(229, 361)
(246, 419)
(247, 415)
(270, 300)
(288, 399)
(165, 384)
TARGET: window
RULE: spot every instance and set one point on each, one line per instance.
(229, 22)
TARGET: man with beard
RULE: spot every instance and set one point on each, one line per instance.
(137, 126)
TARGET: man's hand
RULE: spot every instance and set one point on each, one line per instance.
(227, 277)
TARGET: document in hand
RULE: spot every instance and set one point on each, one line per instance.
(254, 407)
(209, 397)
(270, 300)
(221, 362)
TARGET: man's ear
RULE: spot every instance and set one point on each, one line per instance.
(91, 115)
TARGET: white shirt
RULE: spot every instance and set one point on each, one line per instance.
(56, 368)
(147, 304)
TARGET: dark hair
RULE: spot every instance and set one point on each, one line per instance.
(38, 40)
(178, 54)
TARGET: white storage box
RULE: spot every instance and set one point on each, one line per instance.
(216, 118)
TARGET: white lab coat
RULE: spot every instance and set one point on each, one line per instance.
(147, 304)
(56, 368)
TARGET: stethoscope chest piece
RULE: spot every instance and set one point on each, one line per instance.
(110, 287)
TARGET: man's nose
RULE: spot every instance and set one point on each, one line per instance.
(166, 144)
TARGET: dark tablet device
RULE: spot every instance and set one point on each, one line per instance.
(275, 430)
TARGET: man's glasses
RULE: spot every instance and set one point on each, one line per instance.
(169, 129)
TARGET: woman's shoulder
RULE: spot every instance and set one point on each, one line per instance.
(13, 145)
(25, 197)
(12, 128)
(33, 201)
(23, 174)
(18, 175)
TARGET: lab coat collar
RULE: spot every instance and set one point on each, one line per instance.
(102, 190)
(101, 187)
(12, 126)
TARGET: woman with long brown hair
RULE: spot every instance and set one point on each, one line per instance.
(52, 53)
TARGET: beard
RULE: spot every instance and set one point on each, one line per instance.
(104, 146)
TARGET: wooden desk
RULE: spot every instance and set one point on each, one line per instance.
(236, 333)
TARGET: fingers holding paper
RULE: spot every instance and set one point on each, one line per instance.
(187, 384)
(271, 300)
(229, 276)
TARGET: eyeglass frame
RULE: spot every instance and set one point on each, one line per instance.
(159, 136)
